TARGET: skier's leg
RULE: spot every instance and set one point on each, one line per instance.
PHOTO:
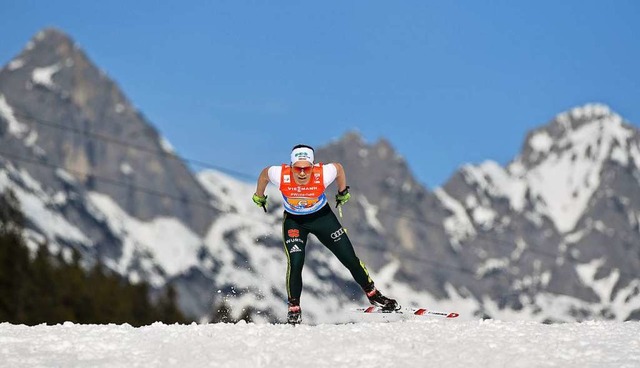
(331, 233)
(295, 240)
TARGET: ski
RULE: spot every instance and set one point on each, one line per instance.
(414, 311)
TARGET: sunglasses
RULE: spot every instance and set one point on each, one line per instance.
(298, 170)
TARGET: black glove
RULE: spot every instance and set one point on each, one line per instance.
(260, 201)
(343, 197)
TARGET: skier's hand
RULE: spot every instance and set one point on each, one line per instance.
(343, 197)
(260, 201)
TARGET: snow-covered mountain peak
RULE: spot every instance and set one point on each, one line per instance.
(52, 39)
(49, 47)
(560, 167)
(353, 141)
(53, 62)
(587, 131)
(494, 181)
(580, 140)
(352, 137)
(585, 113)
(51, 32)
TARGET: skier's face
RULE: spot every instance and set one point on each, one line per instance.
(302, 171)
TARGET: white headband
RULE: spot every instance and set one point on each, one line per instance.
(302, 154)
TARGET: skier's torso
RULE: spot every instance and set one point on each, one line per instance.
(302, 199)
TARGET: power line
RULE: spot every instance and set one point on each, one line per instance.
(496, 241)
(114, 140)
(185, 200)
(110, 181)
(190, 201)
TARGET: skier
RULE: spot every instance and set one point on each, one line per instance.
(302, 183)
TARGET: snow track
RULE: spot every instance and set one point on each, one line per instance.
(410, 343)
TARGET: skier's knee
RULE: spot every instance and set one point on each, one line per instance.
(296, 264)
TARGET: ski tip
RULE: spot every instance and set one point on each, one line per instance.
(415, 311)
(424, 312)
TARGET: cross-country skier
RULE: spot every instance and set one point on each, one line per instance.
(306, 211)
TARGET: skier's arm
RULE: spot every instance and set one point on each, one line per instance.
(343, 189)
(263, 180)
(341, 177)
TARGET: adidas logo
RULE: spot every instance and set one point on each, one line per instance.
(295, 248)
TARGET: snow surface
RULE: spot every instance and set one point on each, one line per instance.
(166, 145)
(65, 176)
(495, 181)
(458, 226)
(36, 204)
(15, 64)
(490, 265)
(541, 141)
(16, 128)
(623, 301)
(31, 138)
(603, 287)
(417, 342)
(590, 111)
(43, 76)
(173, 246)
(125, 168)
(227, 190)
(567, 181)
(371, 215)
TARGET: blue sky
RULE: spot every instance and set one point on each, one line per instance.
(237, 83)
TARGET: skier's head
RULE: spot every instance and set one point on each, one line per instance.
(302, 153)
(302, 163)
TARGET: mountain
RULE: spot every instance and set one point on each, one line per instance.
(551, 236)
(82, 160)
(554, 235)
(568, 208)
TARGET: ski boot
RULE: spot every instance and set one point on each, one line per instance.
(294, 315)
(377, 299)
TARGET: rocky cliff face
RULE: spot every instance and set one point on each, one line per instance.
(70, 141)
(67, 113)
(554, 235)
(560, 219)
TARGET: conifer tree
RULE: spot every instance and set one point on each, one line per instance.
(48, 289)
(222, 313)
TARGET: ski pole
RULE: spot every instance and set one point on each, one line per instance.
(340, 213)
